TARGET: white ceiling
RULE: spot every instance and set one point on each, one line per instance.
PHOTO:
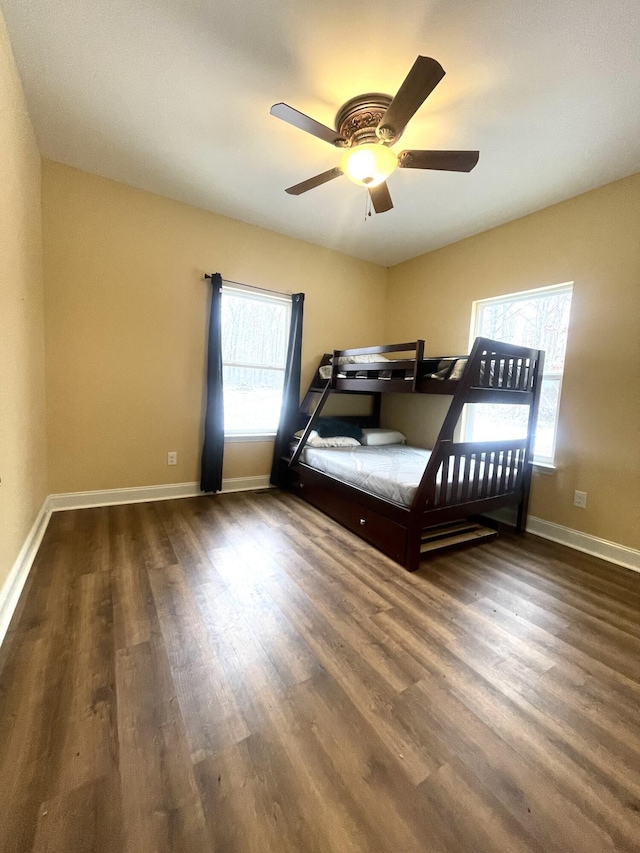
(173, 96)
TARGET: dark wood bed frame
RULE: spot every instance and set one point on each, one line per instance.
(462, 479)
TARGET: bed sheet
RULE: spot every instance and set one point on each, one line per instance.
(392, 471)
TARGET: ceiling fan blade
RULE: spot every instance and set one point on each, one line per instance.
(314, 182)
(381, 198)
(447, 161)
(423, 78)
(310, 125)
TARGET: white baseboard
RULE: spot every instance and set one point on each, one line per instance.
(246, 484)
(14, 584)
(142, 494)
(621, 555)
(111, 497)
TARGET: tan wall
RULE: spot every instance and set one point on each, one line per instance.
(22, 403)
(594, 241)
(126, 323)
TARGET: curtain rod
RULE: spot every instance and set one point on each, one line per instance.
(250, 286)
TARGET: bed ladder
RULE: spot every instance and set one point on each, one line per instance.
(312, 405)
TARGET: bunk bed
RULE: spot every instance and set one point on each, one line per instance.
(435, 496)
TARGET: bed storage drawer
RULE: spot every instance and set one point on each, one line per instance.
(368, 524)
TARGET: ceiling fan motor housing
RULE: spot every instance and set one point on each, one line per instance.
(358, 119)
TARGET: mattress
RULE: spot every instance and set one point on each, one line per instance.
(393, 471)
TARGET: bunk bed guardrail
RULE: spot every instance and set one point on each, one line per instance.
(404, 374)
(461, 472)
(507, 367)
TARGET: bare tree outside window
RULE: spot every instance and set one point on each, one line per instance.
(255, 332)
(537, 319)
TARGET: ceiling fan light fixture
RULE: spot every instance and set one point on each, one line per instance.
(368, 165)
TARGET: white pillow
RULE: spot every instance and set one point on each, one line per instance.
(378, 437)
(458, 368)
(314, 440)
(334, 441)
(367, 358)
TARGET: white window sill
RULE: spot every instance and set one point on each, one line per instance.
(232, 438)
(544, 467)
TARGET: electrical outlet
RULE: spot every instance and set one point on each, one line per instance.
(172, 458)
(580, 499)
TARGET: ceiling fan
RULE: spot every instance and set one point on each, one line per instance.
(366, 127)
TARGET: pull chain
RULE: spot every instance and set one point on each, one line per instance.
(367, 207)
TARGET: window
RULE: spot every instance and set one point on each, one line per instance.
(255, 333)
(538, 319)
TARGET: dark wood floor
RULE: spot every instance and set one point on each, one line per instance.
(238, 673)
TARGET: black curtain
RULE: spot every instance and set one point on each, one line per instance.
(213, 447)
(291, 392)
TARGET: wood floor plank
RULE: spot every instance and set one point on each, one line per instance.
(590, 598)
(254, 682)
(281, 764)
(612, 698)
(57, 724)
(542, 621)
(133, 606)
(263, 524)
(153, 545)
(327, 810)
(368, 763)
(256, 820)
(615, 585)
(238, 673)
(209, 709)
(86, 733)
(557, 648)
(478, 821)
(354, 626)
(24, 736)
(555, 822)
(284, 646)
(575, 766)
(162, 810)
(368, 690)
(268, 815)
(91, 541)
(329, 572)
(87, 819)
(178, 523)
(258, 568)
(197, 525)
(185, 637)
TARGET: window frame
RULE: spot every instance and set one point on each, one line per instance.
(549, 375)
(259, 295)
